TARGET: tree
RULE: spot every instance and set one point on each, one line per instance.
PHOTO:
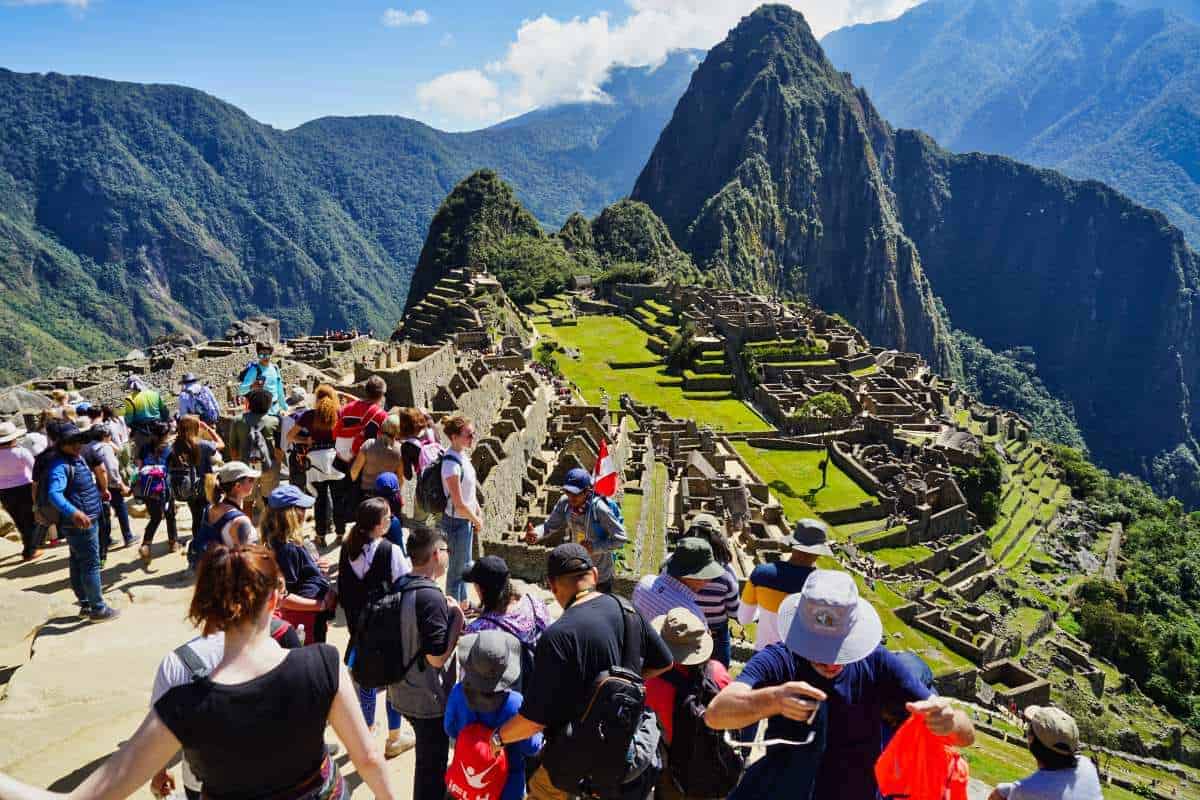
(825, 404)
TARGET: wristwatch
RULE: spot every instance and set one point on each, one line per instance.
(496, 743)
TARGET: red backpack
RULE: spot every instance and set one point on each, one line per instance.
(473, 773)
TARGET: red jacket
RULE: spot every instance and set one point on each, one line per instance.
(660, 695)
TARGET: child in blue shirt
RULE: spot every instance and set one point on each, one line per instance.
(486, 696)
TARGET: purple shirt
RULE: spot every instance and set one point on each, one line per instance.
(16, 467)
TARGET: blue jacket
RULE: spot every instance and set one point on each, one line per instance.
(272, 382)
(459, 715)
(73, 489)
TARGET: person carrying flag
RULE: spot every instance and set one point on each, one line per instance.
(588, 518)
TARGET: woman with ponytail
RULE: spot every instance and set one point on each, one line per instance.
(312, 437)
(253, 727)
(225, 522)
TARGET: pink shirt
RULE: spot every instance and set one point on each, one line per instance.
(16, 467)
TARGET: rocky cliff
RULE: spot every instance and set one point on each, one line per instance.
(767, 175)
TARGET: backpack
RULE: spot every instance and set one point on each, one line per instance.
(378, 656)
(702, 763)
(351, 429)
(208, 533)
(474, 773)
(199, 670)
(200, 402)
(431, 492)
(185, 480)
(258, 449)
(591, 754)
(151, 483)
(614, 508)
(528, 648)
(44, 511)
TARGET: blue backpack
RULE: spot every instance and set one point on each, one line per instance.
(207, 534)
(614, 508)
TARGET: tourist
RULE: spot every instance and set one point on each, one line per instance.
(430, 625)
(312, 440)
(226, 521)
(358, 421)
(488, 696)
(113, 489)
(51, 425)
(196, 446)
(294, 465)
(143, 407)
(378, 455)
(16, 488)
(72, 489)
(584, 642)
(826, 684)
(1062, 773)
(264, 375)
(586, 519)
(229, 723)
(369, 561)
(197, 399)
(310, 600)
(118, 428)
(254, 439)
(718, 598)
(462, 515)
(83, 417)
(154, 487)
(419, 450)
(691, 645)
(771, 582)
(387, 487)
(684, 573)
(502, 607)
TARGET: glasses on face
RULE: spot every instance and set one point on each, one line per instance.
(444, 549)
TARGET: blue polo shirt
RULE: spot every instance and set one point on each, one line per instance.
(852, 715)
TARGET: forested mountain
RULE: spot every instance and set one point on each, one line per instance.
(128, 211)
(778, 170)
(1101, 90)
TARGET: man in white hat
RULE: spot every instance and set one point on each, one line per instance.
(1062, 773)
(826, 685)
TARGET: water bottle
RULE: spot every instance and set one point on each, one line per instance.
(300, 634)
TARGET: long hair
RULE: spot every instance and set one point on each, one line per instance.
(326, 408)
(389, 431)
(367, 517)
(233, 585)
(497, 599)
(282, 525)
(188, 438)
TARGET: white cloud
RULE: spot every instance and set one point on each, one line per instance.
(554, 61)
(77, 5)
(467, 95)
(398, 18)
(447, 40)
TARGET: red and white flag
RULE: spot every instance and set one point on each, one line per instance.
(604, 476)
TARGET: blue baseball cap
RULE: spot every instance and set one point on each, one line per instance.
(387, 483)
(286, 495)
(577, 481)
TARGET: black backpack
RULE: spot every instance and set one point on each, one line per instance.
(702, 763)
(378, 658)
(185, 480)
(431, 494)
(589, 756)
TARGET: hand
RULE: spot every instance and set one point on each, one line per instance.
(125, 490)
(162, 784)
(798, 700)
(324, 564)
(80, 520)
(938, 713)
(105, 495)
(531, 536)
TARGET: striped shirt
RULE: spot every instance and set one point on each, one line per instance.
(719, 599)
(767, 587)
(655, 595)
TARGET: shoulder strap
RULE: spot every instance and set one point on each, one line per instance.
(631, 646)
(505, 626)
(192, 661)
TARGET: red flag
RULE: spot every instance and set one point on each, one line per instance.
(604, 476)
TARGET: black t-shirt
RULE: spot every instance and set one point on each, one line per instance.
(410, 455)
(571, 653)
(433, 616)
(226, 729)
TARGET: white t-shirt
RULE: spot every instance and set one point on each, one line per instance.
(466, 482)
(1080, 783)
(173, 672)
(401, 566)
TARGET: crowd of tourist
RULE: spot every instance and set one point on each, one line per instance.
(613, 699)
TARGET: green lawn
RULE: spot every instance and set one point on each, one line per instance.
(601, 338)
(795, 477)
(899, 556)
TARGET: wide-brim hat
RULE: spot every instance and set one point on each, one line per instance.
(693, 558)
(827, 622)
(9, 432)
(811, 536)
(492, 666)
(1054, 728)
(686, 636)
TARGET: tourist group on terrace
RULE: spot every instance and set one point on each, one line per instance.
(497, 697)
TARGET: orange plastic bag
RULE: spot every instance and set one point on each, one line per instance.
(917, 765)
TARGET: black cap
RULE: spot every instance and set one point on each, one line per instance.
(489, 572)
(568, 559)
(69, 433)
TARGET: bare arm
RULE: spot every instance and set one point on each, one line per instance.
(456, 625)
(212, 435)
(518, 729)
(738, 705)
(456, 500)
(357, 466)
(136, 762)
(293, 435)
(944, 719)
(346, 717)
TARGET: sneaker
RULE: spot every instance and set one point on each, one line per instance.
(104, 614)
(85, 610)
(400, 743)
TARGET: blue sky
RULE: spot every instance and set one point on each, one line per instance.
(456, 65)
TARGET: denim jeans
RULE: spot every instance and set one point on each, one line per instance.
(459, 537)
(85, 565)
(432, 750)
(323, 509)
(722, 644)
(367, 700)
(122, 511)
(104, 530)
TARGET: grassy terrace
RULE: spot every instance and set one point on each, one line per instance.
(899, 556)
(600, 339)
(885, 602)
(795, 478)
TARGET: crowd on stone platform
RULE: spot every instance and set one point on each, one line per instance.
(613, 699)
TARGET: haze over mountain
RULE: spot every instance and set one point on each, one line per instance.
(128, 211)
(1094, 89)
(776, 170)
